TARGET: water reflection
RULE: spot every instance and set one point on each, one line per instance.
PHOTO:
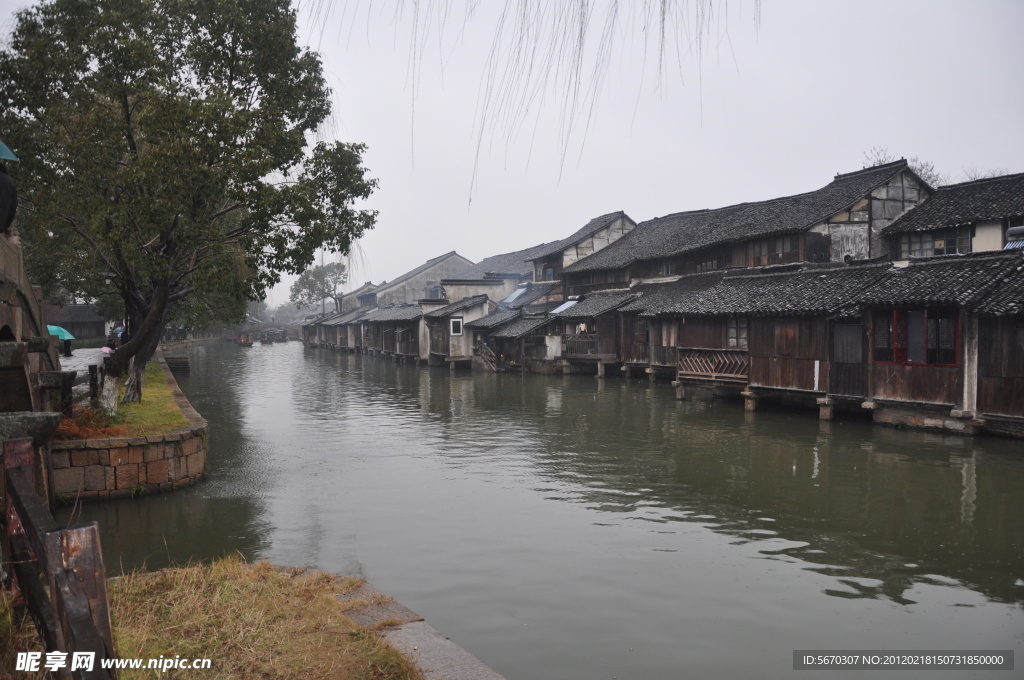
(489, 498)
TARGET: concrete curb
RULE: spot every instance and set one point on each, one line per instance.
(437, 657)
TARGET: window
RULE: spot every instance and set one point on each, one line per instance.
(942, 242)
(664, 268)
(737, 332)
(776, 250)
(455, 325)
(916, 336)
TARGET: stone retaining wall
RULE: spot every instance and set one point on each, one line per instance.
(121, 467)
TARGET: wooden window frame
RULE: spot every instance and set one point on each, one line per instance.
(452, 321)
(737, 333)
(900, 346)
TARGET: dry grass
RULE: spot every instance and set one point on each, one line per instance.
(156, 413)
(252, 621)
(17, 634)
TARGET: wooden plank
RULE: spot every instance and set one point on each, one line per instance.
(77, 626)
(26, 576)
(31, 510)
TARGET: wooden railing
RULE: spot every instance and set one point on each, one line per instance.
(579, 344)
(74, 616)
(484, 351)
(714, 364)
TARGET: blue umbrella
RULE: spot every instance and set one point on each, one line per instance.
(6, 153)
(60, 332)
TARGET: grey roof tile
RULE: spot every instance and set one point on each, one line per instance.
(956, 280)
(521, 326)
(464, 303)
(689, 231)
(967, 203)
(1007, 297)
(596, 304)
(500, 316)
(402, 312)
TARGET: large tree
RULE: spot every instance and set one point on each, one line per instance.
(165, 153)
(318, 283)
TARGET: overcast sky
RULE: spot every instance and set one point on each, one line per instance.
(771, 109)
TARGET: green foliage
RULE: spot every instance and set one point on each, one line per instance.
(164, 147)
(317, 283)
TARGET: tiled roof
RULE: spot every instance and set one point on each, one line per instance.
(945, 280)
(593, 226)
(533, 292)
(659, 298)
(772, 291)
(349, 317)
(403, 312)
(521, 326)
(688, 231)
(967, 203)
(413, 272)
(518, 263)
(496, 318)
(1007, 298)
(464, 303)
(320, 319)
(596, 304)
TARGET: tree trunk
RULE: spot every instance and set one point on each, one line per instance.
(108, 390)
(133, 391)
(144, 336)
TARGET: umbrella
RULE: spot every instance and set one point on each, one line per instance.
(60, 333)
(118, 330)
(6, 153)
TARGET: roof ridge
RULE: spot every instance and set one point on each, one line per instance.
(901, 162)
(982, 180)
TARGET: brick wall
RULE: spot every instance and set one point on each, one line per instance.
(121, 467)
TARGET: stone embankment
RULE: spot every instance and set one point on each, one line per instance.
(121, 467)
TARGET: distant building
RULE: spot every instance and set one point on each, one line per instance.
(82, 321)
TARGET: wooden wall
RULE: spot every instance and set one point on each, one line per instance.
(1001, 366)
(785, 351)
(928, 384)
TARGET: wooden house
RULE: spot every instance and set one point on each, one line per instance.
(500, 341)
(924, 343)
(523, 344)
(591, 329)
(841, 221)
(1000, 331)
(654, 332)
(960, 218)
(449, 341)
(392, 331)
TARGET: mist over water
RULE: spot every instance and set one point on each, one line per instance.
(570, 527)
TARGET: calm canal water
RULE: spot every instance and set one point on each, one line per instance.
(566, 527)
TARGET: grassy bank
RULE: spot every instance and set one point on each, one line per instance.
(252, 621)
(156, 413)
